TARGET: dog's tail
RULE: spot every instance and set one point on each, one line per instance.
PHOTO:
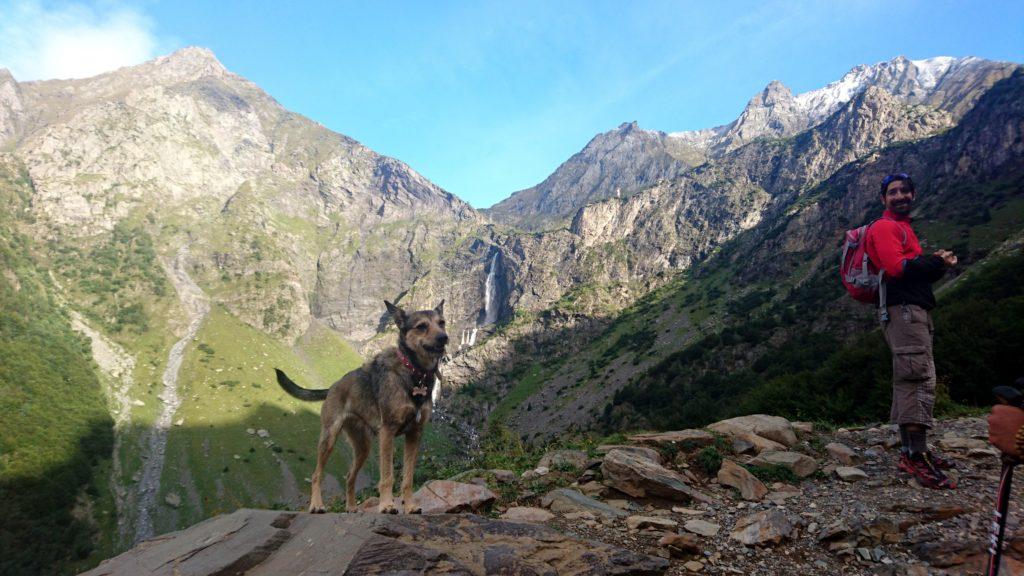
(298, 391)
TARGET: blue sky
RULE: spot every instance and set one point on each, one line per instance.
(485, 98)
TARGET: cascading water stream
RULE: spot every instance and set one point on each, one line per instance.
(491, 293)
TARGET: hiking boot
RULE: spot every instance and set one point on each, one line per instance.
(921, 467)
(941, 462)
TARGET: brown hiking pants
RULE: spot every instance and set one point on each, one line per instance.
(909, 335)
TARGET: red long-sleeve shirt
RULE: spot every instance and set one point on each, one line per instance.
(894, 248)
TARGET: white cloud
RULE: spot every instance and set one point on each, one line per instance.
(72, 40)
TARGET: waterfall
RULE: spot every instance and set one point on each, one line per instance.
(491, 293)
(472, 338)
(436, 395)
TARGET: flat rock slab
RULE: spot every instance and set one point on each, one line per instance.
(269, 542)
(640, 477)
(527, 514)
(446, 496)
(642, 451)
(685, 440)
(565, 500)
(800, 464)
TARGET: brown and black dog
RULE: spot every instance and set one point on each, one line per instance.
(389, 396)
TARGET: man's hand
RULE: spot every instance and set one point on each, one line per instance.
(948, 258)
(1003, 423)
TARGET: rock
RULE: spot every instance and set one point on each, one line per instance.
(693, 566)
(702, 527)
(680, 544)
(266, 542)
(250, 431)
(527, 514)
(685, 440)
(687, 511)
(642, 451)
(446, 496)
(743, 446)
(592, 488)
(640, 522)
(504, 476)
(842, 453)
(800, 464)
(771, 427)
(803, 427)
(732, 474)
(179, 422)
(564, 460)
(564, 500)
(640, 477)
(850, 474)
(584, 515)
(983, 453)
(263, 433)
(541, 470)
(138, 402)
(759, 443)
(172, 499)
(768, 527)
(951, 441)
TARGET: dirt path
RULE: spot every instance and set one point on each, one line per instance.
(118, 366)
(196, 306)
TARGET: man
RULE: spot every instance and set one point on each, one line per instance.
(908, 276)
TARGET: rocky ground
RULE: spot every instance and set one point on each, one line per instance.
(848, 510)
(751, 495)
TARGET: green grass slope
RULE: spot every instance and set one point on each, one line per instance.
(55, 432)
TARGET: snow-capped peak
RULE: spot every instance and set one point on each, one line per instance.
(929, 71)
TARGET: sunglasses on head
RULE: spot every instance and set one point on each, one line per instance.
(893, 177)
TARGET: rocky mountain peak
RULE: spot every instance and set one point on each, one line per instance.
(627, 127)
(190, 63)
(775, 92)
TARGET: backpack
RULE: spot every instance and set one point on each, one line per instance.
(861, 278)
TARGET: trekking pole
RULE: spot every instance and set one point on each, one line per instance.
(1013, 397)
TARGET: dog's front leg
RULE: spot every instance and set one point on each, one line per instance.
(412, 446)
(387, 471)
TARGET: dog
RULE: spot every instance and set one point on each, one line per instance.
(387, 396)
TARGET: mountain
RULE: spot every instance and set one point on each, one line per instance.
(194, 234)
(611, 161)
(613, 164)
(777, 203)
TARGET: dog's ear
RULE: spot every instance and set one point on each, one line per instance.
(396, 313)
(440, 308)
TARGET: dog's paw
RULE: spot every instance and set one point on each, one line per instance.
(389, 509)
(416, 510)
(317, 510)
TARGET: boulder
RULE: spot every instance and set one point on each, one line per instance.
(642, 451)
(771, 427)
(732, 474)
(527, 514)
(268, 542)
(640, 477)
(563, 500)
(767, 527)
(564, 459)
(446, 496)
(842, 453)
(801, 464)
